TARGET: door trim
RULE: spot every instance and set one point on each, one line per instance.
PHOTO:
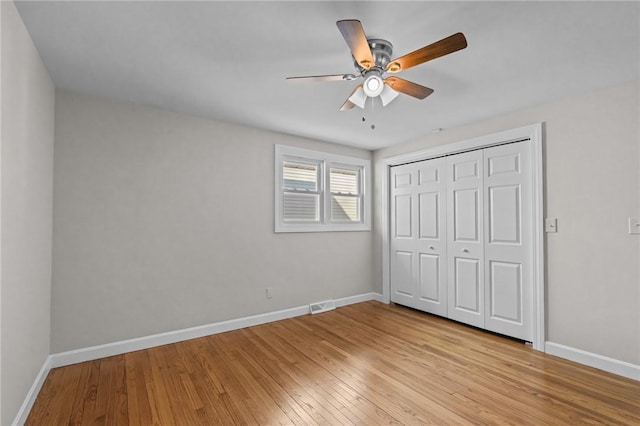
(534, 134)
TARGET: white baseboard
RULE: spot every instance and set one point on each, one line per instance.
(146, 342)
(25, 409)
(124, 346)
(358, 298)
(600, 362)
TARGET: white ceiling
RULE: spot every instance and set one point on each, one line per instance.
(229, 60)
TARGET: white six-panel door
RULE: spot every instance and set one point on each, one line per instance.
(403, 225)
(508, 240)
(465, 263)
(461, 238)
(418, 243)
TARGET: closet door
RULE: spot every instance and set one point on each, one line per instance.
(403, 233)
(418, 240)
(461, 238)
(465, 245)
(431, 243)
(508, 240)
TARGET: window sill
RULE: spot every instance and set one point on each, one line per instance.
(302, 227)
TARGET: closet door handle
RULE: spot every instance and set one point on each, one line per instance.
(432, 248)
(464, 250)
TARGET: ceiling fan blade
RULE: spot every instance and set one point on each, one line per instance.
(435, 50)
(347, 105)
(408, 88)
(330, 77)
(353, 34)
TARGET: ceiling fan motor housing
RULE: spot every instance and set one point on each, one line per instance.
(381, 50)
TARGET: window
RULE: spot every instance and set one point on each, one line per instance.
(346, 197)
(317, 191)
(300, 192)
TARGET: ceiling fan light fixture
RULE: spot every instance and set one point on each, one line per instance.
(387, 95)
(358, 98)
(373, 86)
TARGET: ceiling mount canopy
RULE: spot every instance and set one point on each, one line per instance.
(372, 59)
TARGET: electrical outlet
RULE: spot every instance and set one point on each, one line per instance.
(269, 292)
(634, 225)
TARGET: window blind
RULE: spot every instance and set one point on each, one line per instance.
(344, 185)
(301, 199)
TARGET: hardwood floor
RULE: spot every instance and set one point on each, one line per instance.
(368, 363)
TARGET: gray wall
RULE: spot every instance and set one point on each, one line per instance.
(26, 200)
(592, 161)
(164, 221)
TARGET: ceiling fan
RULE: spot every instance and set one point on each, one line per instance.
(372, 59)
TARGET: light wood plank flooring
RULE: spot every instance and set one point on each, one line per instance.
(368, 363)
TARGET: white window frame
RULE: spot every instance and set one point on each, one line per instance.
(326, 161)
(343, 166)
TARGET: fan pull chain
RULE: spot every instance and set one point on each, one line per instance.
(364, 118)
(373, 106)
(373, 126)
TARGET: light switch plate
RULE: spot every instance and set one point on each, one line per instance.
(551, 224)
(634, 225)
